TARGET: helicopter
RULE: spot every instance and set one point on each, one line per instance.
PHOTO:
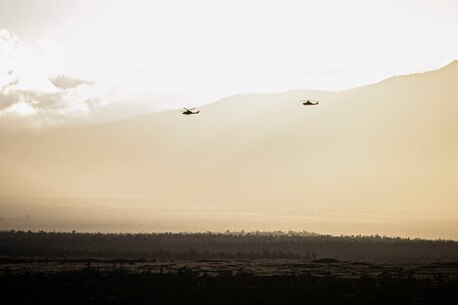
(309, 103)
(190, 111)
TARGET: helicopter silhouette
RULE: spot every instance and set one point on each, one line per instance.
(189, 111)
(309, 103)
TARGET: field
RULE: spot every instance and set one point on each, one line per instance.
(207, 268)
(260, 267)
(225, 282)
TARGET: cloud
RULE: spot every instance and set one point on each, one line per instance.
(32, 90)
(66, 82)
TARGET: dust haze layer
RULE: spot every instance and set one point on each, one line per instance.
(376, 159)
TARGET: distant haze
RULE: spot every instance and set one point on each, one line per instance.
(380, 159)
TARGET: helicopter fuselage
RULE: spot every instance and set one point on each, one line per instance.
(308, 103)
(190, 112)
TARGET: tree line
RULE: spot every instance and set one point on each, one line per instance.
(228, 245)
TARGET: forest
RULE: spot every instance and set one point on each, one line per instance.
(225, 268)
(228, 245)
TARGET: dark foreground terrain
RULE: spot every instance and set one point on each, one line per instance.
(254, 268)
(90, 286)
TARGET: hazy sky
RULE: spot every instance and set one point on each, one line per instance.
(162, 54)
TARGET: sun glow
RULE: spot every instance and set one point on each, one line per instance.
(157, 55)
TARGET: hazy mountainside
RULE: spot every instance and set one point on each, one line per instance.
(391, 145)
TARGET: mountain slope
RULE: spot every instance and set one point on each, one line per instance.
(388, 146)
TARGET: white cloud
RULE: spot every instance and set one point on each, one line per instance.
(20, 108)
(31, 88)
